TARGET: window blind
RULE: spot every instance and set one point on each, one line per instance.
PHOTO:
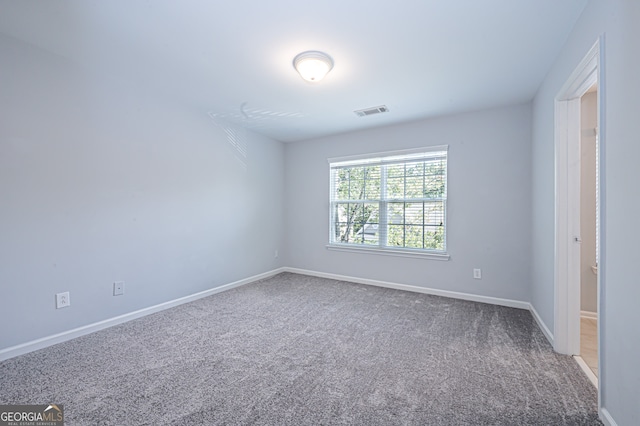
(390, 201)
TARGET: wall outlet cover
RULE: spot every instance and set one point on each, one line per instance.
(63, 300)
(118, 288)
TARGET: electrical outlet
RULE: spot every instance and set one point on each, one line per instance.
(118, 288)
(63, 300)
(477, 274)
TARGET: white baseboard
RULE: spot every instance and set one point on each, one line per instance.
(416, 289)
(589, 314)
(587, 371)
(91, 328)
(545, 330)
(606, 418)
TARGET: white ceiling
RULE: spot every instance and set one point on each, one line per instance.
(233, 58)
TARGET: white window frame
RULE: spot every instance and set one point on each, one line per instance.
(385, 158)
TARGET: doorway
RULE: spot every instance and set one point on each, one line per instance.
(588, 230)
(568, 233)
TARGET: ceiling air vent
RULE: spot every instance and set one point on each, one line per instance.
(371, 111)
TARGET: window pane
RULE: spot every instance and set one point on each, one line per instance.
(341, 212)
(369, 231)
(356, 189)
(413, 187)
(395, 171)
(434, 187)
(415, 169)
(413, 214)
(372, 190)
(342, 233)
(395, 188)
(435, 179)
(356, 173)
(345, 216)
(434, 237)
(372, 212)
(396, 236)
(413, 236)
(372, 172)
(357, 183)
(359, 218)
(372, 237)
(356, 222)
(434, 213)
(341, 182)
(395, 213)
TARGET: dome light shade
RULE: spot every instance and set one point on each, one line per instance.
(312, 65)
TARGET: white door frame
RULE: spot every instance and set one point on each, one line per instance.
(567, 202)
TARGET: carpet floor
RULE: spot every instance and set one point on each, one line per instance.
(299, 350)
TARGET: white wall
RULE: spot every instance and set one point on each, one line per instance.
(588, 279)
(489, 207)
(100, 183)
(620, 336)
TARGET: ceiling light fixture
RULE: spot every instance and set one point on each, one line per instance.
(313, 65)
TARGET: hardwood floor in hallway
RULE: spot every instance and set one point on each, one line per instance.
(589, 343)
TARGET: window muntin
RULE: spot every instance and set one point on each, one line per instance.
(395, 201)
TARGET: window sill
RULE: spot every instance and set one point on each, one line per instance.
(389, 252)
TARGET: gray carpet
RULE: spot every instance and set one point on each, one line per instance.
(297, 350)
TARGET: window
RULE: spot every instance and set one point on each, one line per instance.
(393, 202)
